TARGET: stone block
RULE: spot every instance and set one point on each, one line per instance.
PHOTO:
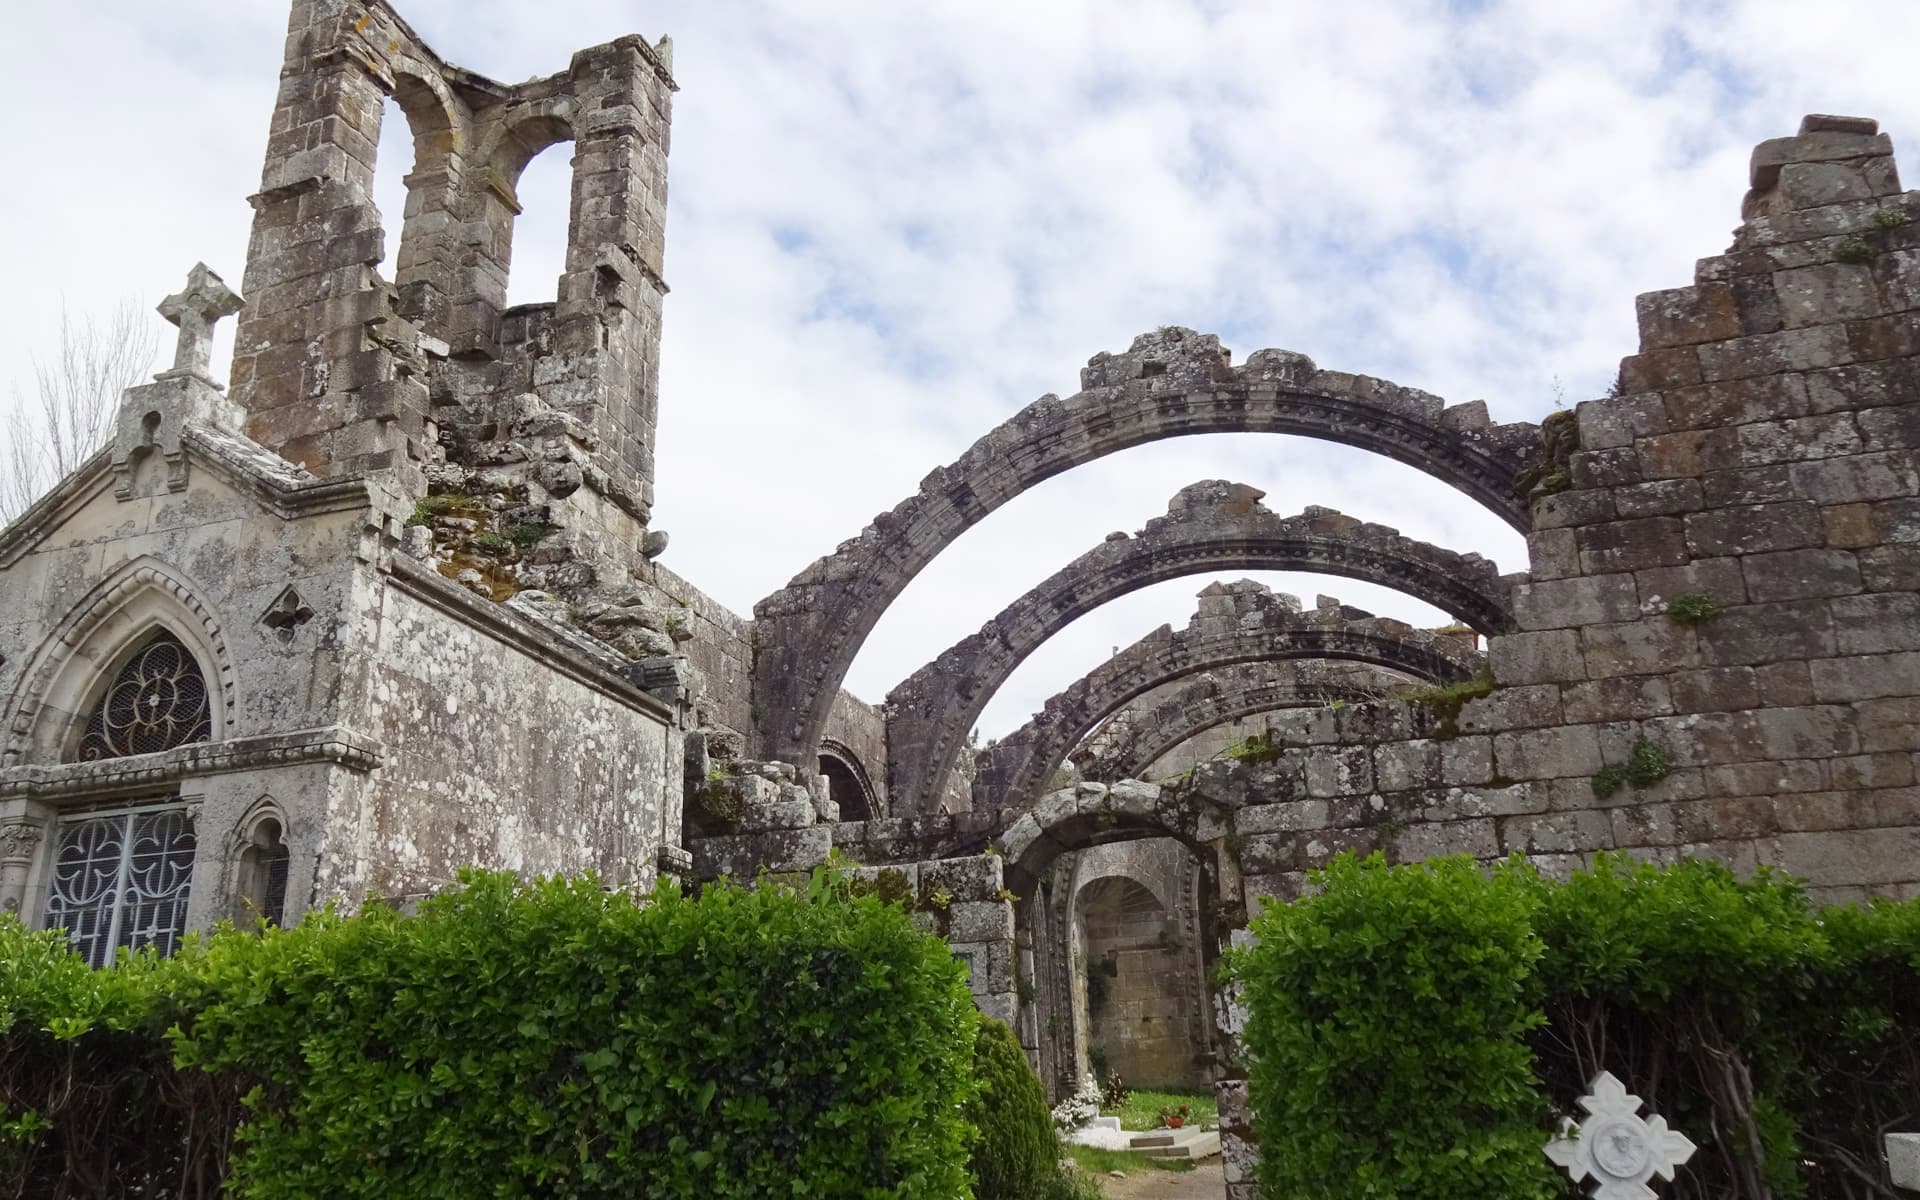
(1865, 385)
(1762, 633)
(1866, 677)
(1717, 405)
(1318, 849)
(1771, 484)
(1659, 370)
(1765, 778)
(1784, 683)
(1547, 753)
(1515, 707)
(1565, 603)
(1720, 577)
(1290, 817)
(1617, 421)
(1616, 699)
(1856, 772)
(1867, 858)
(1813, 811)
(1406, 765)
(1797, 439)
(1903, 1160)
(1553, 554)
(1775, 353)
(1687, 316)
(1889, 724)
(976, 878)
(1898, 274)
(1890, 568)
(980, 921)
(1882, 475)
(1466, 760)
(1661, 497)
(1556, 833)
(1640, 647)
(1453, 804)
(1604, 468)
(1800, 574)
(1670, 455)
(1877, 623)
(1564, 510)
(1439, 838)
(1824, 294)
(1346, 772)
(1755, 529)
(1714, 689)
(1632, 545)
(1896, 427)
(1849, 525)
(1643, 825)
(1550, 656)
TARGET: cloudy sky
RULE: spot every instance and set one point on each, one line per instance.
(895, 222)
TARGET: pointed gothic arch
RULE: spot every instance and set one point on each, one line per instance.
(75, 663)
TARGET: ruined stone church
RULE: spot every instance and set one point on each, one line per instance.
(389, 603)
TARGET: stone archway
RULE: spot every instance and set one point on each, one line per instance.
(1170, 383)
(1235, 624)
(1209, 526)
(1132, 740)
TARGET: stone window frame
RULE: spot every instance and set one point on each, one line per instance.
(248, 876)
(73, 668)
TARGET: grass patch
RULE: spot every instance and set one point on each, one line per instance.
(1647, 764)
(1446, 699)
(1142, 1109)
(1693, 608)
(1095, 1161)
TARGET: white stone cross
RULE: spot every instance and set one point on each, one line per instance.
(205, 300)
(1615, 1146)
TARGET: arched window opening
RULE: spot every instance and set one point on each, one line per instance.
(261, 894)
(120, 879)
(538, 254)
(393, 158)
(845, 789)
(156, 702)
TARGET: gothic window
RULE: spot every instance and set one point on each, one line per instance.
(262, 890)
(120, 879)
(156, 702)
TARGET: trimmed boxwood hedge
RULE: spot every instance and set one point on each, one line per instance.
(1420, 1031)
(513, 1039)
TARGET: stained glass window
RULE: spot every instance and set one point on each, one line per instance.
(156, 702)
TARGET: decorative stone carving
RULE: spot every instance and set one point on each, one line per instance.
(1617, 1148)
(19, 840)
(286, 615)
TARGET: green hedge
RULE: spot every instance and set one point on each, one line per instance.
(518, 1039)
(1017, 1154)
(1420, 1030)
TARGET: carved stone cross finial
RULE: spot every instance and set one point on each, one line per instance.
(204, 301)
(1615, 1146)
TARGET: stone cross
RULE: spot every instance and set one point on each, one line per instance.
(1615, 1146)
(205, 300)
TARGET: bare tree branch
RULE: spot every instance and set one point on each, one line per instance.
(76, 393)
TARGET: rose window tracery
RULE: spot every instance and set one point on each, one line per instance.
(157, 701)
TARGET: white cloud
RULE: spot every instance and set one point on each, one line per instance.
(892, 225)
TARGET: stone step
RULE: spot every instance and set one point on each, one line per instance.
(1186, 1142)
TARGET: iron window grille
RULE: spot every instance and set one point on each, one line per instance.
(120, 879)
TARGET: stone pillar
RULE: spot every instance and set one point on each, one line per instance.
(20, 840)
(606, 337)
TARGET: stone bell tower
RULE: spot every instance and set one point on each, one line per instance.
(346, 368)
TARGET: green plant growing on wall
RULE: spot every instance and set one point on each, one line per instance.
(1259, 747)
(528, 533)
(1445, 700)
(1647, 764)
(1693, 608)
(1891, 218)
(1852, 250)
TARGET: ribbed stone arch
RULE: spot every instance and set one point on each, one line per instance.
(1170, 383)
(1138, 736)
(1210, 526)
(1243, 622)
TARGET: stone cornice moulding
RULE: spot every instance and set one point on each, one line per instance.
(333, 744)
